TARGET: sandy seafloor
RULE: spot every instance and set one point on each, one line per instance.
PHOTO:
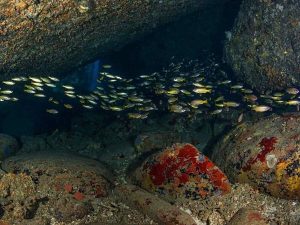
(114, 144)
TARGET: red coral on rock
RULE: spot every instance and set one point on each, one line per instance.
(182, 171)
(68, 188)
(267, 145)
(78, 196)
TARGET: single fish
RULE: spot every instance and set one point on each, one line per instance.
(261, 108)
(8, 82)
(68, 106)
(68, 87)
(35, 79)
(39, 95)
(52, 111)
(53, 78)
(7, 92)
(202, 90)
(30, 91)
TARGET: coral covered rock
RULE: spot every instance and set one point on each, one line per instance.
(265, 154)
(181, 171)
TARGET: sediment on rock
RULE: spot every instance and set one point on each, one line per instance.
(159, 210)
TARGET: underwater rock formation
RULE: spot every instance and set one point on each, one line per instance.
(69, 184)
(161, 211)
(265, 154)
(264, 46)
(191, 37)
(181, 171)
(52, 36)
(17, 196)
(8, 146)
(199, 135)
(150, 141)
(248, 216)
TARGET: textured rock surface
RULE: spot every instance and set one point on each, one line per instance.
(17, 196)
(265, 154)
(181, 171)
(264, 47)
(155, 140)
(248, 216)
(8, 146)
(50, 36)
(161, 211)
(66, 184)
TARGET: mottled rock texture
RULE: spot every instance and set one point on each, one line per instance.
(8, 146)
(265, 154)
(159, 210)
(67, 185)
(39, 36)
(248, 216)
(264, 46)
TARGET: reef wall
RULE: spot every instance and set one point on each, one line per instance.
(264, 46)
(48, 37)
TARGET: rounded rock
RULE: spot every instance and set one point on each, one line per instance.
(265, 154)
(248, 216)
(181, 171)
(70, 183)
(8, 146)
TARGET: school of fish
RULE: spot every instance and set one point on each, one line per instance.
(187, 87)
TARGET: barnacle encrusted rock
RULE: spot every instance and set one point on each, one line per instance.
(49, 36)
(265, 154)
(264, 46)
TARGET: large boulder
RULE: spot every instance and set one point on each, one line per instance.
(265, 154)
(68, 186)
(180, 172)
(264, 46)
(52, 36)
